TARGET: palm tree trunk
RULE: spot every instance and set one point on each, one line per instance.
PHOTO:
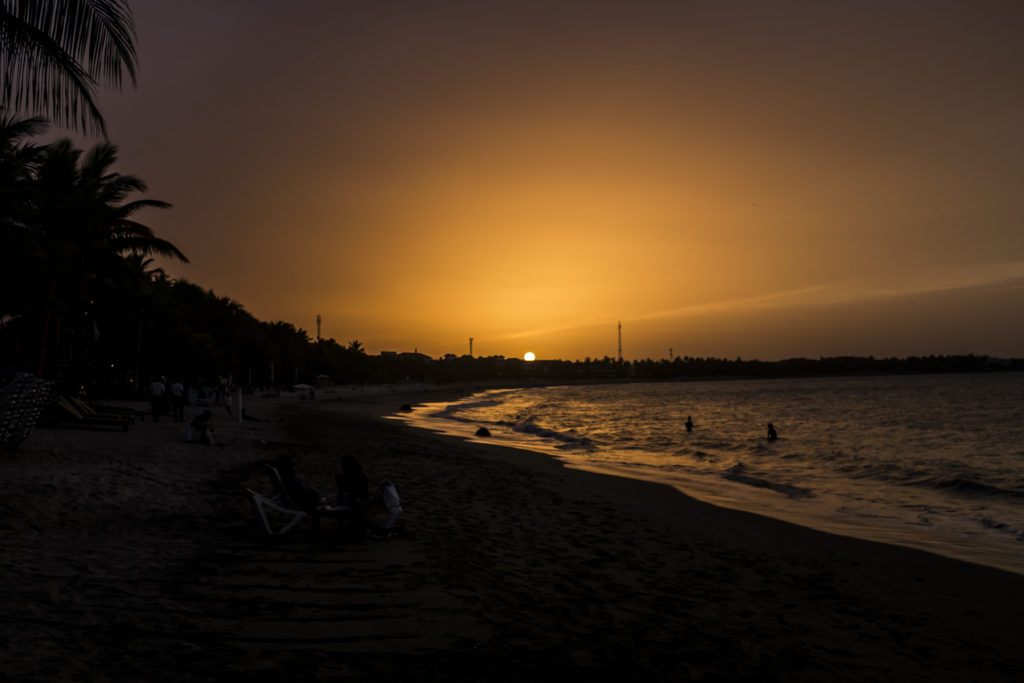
(138, 353)
(46, 330)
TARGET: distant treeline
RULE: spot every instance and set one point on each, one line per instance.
(466, 368)
(150, 326)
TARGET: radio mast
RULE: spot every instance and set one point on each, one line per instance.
(318, 327)
(620, 341)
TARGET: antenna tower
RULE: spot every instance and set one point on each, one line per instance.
(318, 319)
(620, 341)
(470, 347)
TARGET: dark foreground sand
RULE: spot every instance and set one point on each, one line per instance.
(136, 557)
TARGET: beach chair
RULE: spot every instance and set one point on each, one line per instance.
(88, 408)
(64, 412)
(283, 504)
(292, 517)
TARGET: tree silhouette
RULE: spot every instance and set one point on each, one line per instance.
(54, 53)
(71, 245)
(18, 190)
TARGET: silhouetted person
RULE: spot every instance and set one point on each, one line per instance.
(177, 392)
(689, 423)
(771, 432)
(304, 496)
(156, 397)
(354, 491)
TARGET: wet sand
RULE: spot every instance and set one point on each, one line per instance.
(137, 557)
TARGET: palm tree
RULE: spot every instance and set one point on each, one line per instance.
(83, 223)
(85, 205)
(54, 53)
(18, 159)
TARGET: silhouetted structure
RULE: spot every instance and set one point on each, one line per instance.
(620, 342)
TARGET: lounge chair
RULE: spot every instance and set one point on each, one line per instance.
(64, 413)
(283, 504)
(87, 408)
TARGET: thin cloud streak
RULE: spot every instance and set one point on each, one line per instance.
(837, 294)
(832, 294)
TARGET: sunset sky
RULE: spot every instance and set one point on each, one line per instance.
(727, 178)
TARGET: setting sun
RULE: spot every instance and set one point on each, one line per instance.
(529, 355)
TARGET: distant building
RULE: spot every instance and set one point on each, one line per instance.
(405, 355)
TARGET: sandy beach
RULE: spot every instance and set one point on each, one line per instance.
(134, 556)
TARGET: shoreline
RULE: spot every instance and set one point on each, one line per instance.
(1001, 553)
(128, 550)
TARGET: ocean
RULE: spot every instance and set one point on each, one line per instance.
(933, 462)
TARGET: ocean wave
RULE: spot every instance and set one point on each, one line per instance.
(971, 487)
(995, 525)
(737, 473)
(990, 523)
(960, 485)
(452, 410)
(567, 440)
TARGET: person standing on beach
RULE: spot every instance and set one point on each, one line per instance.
(772, 436)
(177, 392)
(156, 398)
(689, 423)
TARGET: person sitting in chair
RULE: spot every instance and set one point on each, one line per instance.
(305, 497)
(200, 429)
(354, 491)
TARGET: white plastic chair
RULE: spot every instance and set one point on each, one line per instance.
(296, 516)
(283, 503)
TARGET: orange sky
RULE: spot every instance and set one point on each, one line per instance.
(747, 178)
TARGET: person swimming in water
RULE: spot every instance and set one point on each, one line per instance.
(772, 435)
(689, 423)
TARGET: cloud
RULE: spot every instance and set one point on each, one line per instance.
(831, 294)
(949, 281)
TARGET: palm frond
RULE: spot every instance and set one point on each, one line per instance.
(97, 34)
(55, 52)
(13, 129)
(144, 246)
(129, 208)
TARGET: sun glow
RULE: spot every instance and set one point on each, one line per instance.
(529, 356)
